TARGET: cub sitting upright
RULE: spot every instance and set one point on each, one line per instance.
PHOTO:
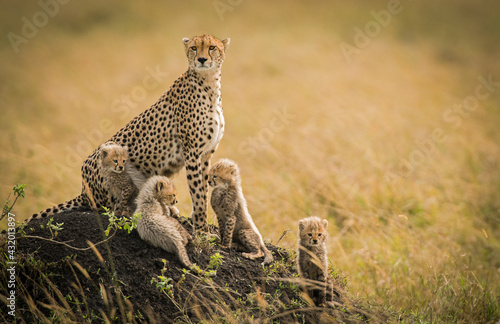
(157, 226)
(117, 176)
(312, 257)
(235, 223)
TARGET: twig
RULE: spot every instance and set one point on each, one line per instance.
(285, 232)
(64, 243)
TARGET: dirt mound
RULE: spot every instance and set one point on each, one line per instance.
(123, 279)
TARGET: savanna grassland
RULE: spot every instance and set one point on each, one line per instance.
(386, 125)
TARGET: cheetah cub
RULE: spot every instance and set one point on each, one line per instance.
(312, 257)
(235, 223)
(157, 225)
(117, 179)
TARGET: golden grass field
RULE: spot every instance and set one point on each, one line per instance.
(396, 144)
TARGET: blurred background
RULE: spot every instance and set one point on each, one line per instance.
(381, 116)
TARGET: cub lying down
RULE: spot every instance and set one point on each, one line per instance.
(157, 225)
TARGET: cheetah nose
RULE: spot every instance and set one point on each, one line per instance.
(315, 241)
(202, 60)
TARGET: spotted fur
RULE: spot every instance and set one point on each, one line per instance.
(183, 128)
(312, 257)
(157, 226)
(236, 226)
(118, 182)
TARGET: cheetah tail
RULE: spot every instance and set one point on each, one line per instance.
(268, 257)
(89, 195)
(73, 204)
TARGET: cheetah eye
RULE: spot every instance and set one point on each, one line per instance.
(214, 177)
(115, 161)
(211, 48)
(310, 235)
(193, 48)
(319, 234)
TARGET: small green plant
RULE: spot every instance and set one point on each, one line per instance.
(196, 270)
(208, 273)
(54, 228)
(73, 300)
(183, 276)
(18, 192)
(165, 284)
(214, 264)
(162, 282)
(117, 223)
(20, 228)
(276, 268)
(294, 287)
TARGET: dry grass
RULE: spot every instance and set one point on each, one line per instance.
(425, 240)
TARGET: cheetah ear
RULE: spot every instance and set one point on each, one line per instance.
(324, 222)
(159, 186)
(104, 152)
(226, 43)
(302, 224)
(185, 40)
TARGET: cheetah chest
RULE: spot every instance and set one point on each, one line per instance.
(215, 129)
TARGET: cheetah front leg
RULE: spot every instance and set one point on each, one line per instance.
(198, 189)
(317, 292)
(221, 222)
(205, 166)
(174, 212)
(322, 292)
(122, 203)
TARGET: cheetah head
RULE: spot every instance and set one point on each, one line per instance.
(313, 231)
(114, 157)
(224, 173)
(205, 52)
(166, 192)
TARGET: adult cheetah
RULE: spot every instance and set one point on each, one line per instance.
(183, 128)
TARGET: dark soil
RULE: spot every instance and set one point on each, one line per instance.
(114, 280)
